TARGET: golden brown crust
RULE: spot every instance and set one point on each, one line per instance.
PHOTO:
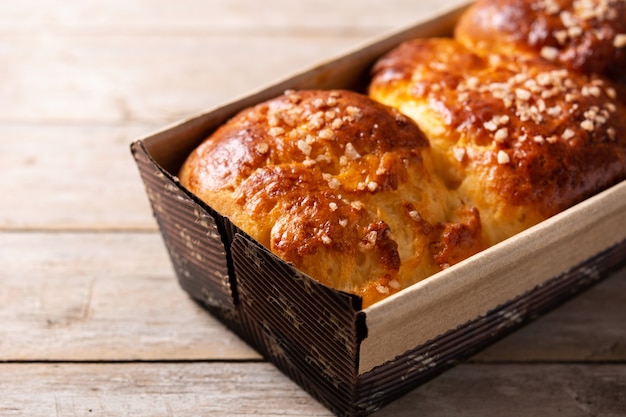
(366, 200)
(335, 183)
(587, 36)
(520, 139)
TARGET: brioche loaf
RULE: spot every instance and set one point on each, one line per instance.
(520, 139)
(587, 36)
(461, 143)
(338, 185)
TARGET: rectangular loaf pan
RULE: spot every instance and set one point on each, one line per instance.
(356, 360)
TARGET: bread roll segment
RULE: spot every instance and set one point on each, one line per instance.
(521, 139)
(586, 36)
(339, 185)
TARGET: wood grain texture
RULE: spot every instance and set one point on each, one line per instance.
(113, 296)
(137, 390)
(84, 79)
(226, 389)
(518, 391)
(101, 296)
(111, 62)
(67, 79)
(217, 16)
(589, 328)
(92, 321)
(72, 177)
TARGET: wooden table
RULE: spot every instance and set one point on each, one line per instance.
(92, 321)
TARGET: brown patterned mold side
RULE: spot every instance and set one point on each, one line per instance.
(308, 330)
(390, 381)
(190, 233)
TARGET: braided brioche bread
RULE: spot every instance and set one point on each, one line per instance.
(338, 185)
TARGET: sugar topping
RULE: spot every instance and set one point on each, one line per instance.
(382, 289)
(583, 15)
(369, 242)
(539, 99)
(350, 152)
(333, 183)
(549, 52)
(415, 215)
(501, 134)
(306, 124)
(459, 153)
(304, 147)
(568, 134)
(320, 120)
(357, 205)
(262, 148)
(503, 157)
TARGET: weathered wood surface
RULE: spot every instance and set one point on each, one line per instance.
(226, 389)
(92, 321)
(102, 61)
(101, 296)
(64, 301)
(86, 78)
(113, 296)
(79, 177)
